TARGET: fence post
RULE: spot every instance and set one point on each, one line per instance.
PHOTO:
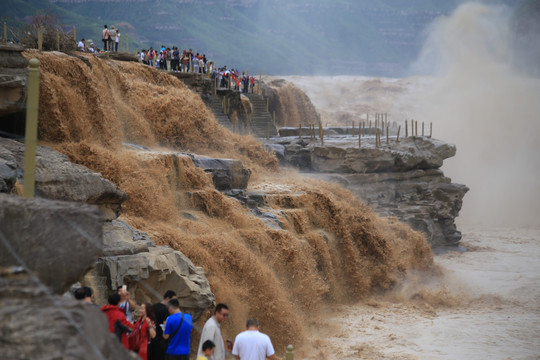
(398, 130)
(289, 355)
(40, 38)
(321, 133)
(300, 131)
(430, 129)
(30, 141)
(127, 43)
(387, 133)
(406, 129)
(5, 31)
(359, 136)
(422, 128)
(416, 128)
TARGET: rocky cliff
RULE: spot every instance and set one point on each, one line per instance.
(126, 256)
(400, 179)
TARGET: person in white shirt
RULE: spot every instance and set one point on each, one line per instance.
(212, 331)
(252, 344)
(81, 45)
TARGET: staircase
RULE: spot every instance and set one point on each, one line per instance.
(215, 104)
(262, 123)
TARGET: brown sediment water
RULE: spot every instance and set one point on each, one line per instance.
(330, 247)
(291, 105)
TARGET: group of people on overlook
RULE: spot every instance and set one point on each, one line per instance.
(189, 61)
(162, 330)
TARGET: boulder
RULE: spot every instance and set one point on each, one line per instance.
(149, 274)
(36, 324)
(59, 241)
(130, 257)
(59, 179)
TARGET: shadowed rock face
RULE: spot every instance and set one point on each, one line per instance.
(13, 79)
(58, 242)
(396, 179)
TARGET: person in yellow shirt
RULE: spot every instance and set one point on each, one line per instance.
(207, 350)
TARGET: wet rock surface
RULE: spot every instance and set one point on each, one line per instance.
(400, 179)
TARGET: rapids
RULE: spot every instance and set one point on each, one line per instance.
(332, 248)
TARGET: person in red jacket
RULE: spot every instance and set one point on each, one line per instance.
(118, 324)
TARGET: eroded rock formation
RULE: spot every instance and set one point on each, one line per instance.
(400, 179)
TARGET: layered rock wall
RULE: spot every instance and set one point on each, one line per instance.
(400, 179)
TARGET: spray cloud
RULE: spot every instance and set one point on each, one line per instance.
(480, 103)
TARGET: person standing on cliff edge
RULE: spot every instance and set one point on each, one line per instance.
(252, 344)
(105, 35)
(212, 331)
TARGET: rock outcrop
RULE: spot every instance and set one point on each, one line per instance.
(13, 79)
(130, 257)
(59, 179)
(400, 179)
(127, 256)
(46, 246)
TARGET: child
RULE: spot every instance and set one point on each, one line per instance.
(207, 350)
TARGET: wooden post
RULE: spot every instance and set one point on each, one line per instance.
(422, 128)
(406, 129)
(387, 133)
(30, 142)
(377, 137)
(416, 128)
(215, 86)
(321, 133)
(300, 131)
(57, 40)
(40, 38)
(289, 355)
(430, 129)
(127, 43)
(398, 130)
(230, 78)
(5, 31)
(359, 136)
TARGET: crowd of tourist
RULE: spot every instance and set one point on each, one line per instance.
(171, 59)
(162, 331)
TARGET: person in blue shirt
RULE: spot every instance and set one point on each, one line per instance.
(178, 329)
